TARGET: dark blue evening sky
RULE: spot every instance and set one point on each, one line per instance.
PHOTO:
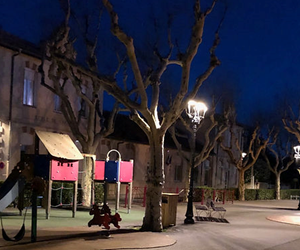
(259, 47)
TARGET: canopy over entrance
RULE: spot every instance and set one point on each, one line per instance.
(59, 145)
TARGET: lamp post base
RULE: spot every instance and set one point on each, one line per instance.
(189, 220)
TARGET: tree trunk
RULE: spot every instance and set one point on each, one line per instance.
(277, 186)
(86, 182)
(155, 179)
(241, 185)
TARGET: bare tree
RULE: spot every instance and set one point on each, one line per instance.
(66, 81)
(237, 147)
(211, 129)
(142, 99)
(281, 161)
(291, 123)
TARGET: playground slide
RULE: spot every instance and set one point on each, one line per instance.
(11, 188)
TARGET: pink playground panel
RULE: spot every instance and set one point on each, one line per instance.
(99, 170)
(67, 171)
(126, 171)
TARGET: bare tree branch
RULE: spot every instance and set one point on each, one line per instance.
(128, 42)
(178, 145)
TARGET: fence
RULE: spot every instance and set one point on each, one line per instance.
(217, 195)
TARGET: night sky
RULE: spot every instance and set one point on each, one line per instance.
(259, 50)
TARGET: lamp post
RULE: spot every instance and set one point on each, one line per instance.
(297, 158)
(195, 111)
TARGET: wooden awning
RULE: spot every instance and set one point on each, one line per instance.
(59, 145)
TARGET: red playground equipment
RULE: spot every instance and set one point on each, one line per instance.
(61, 166)
(102, 216)
(115, 172)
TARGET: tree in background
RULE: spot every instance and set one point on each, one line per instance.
(261, 172)
(139, 89)
(278, 158)
(243, 154)
(291, 124)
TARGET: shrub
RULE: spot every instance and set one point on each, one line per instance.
(209, 192)
(259, 194)
(235, 193)
(285, 194)
(99, 193)
(250, 194)
(197, 195)
(265, 194)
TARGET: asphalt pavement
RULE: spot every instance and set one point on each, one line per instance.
(261, 225)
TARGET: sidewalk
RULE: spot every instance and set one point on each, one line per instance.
(63, 232)
(287, 209)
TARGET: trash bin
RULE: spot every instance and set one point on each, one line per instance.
(169, 209)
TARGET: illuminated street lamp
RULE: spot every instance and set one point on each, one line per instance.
(297, 157)
(297, 152)
(195, 111)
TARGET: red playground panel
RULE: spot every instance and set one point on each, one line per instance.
(67, 171)
(126, 171)
(99, 170)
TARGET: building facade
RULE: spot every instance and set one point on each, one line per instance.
(26, 106)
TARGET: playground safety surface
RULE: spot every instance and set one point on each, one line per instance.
(63, 232)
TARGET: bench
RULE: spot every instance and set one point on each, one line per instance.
(219, 210)
(210, 209)
(203, 209)
(294, 197)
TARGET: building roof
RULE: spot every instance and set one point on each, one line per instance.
(127, 130)
(15, 43)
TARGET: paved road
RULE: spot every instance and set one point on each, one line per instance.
(253, 225)
(248, 228)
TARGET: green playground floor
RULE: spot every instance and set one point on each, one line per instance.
(63, 217)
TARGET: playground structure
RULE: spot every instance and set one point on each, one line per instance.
(115, 172)
(106, 172)
(61, 164)
(63, 154)
(55, 170)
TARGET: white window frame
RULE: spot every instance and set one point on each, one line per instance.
(29, 87)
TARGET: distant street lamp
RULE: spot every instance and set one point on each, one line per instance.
(297, 157)
(195, 111)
